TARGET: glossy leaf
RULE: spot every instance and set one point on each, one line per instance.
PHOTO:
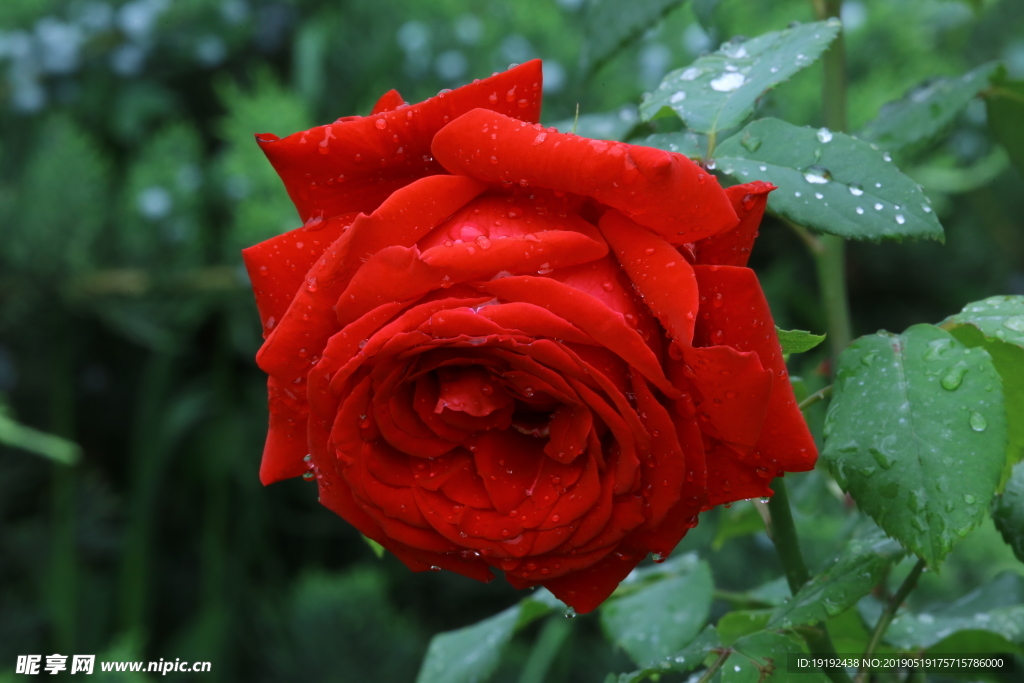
(762, 656)
(471, 654)
(684, 142)
(926, 110)
(695, 654)
(609, 25)
(997, 325)
(829, 182)
(846, 579)
(739, 623)
(720, 90)
(798, 341)
(662, 617)
(916, 433)
(1008, 512)
(996, 608)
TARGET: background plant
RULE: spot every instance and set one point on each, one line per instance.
(129, 180)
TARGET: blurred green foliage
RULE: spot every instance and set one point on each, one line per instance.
(129, 180)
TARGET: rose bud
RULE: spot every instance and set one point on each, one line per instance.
(498, 346)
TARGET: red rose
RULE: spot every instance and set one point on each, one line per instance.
(506, 347)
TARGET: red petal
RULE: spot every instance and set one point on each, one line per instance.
(730, 480)
(355, 163)
(663, 278)
(570, 425)
(277, 267)
(286, 444)
(389, 101)
(508, 463)
(732, 247)
(406, 216)
(744, 322)
(586, 589)
(588, 314)
(664, 471)
(660, 190)
(734, 392)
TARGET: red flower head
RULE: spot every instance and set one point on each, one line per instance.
(495, 345)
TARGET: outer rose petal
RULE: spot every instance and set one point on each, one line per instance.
(277, 267)
(407, 215)
(389, 101)
(744, 322)
(355, 163)
(663, 191)
(664, 279)
(732, 247)
(286, 437)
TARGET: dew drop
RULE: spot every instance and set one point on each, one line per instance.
(978, 422)
(856, 190)
(677, 97)
(381, 124)
(952, 380)
(900, 219)
(728, 82)
(1016, 323)
(824, 135)
(816, 175)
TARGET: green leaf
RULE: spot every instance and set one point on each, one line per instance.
(684, 142)
(17, 435)
(469, 654)
(1005, 105)
(926, 110)
(612, 125)
(720, 90)
(739, 623)
(1008, 512)
(762, 656)
(997, 325)
(610, 25)
(689, 658)
(994, 608)
(846, 579)
(798, 341)
(662, 617)
(472, 653)
(916, 433)
(377, 548)
(830, 182)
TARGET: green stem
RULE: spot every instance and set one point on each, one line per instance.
(713, 669)
(830, 261)
(787, 546)
(819, 395)
(889, 613)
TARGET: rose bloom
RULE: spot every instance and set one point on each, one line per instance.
(498, 346)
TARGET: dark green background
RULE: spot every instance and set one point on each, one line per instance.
(129, 181)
